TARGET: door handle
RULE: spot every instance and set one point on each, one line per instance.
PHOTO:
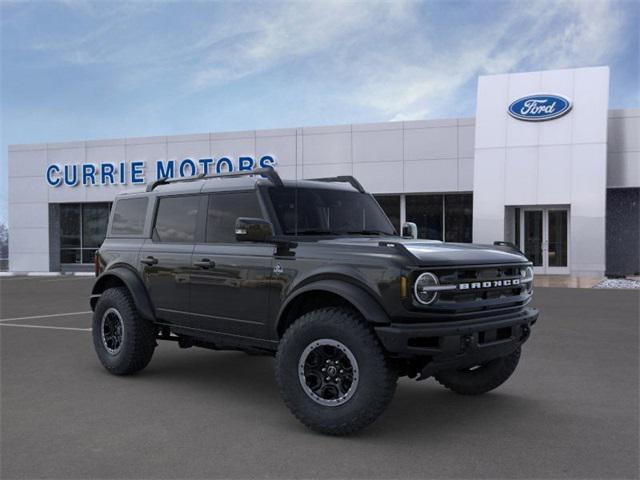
(204, 263)
(149, 260)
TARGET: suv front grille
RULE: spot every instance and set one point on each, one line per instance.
(481, 289)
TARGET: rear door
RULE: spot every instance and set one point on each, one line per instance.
(166, 257)
(230, 280)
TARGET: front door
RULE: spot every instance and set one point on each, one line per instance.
(230, 281)
(544, 234)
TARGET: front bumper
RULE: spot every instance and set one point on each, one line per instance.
(448, 345)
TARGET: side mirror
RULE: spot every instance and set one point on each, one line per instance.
(410, 229)
(253, 230)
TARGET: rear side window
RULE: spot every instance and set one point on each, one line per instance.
(176, 219)
(224, 209)
(129, 215)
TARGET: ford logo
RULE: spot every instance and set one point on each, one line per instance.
(536, 108)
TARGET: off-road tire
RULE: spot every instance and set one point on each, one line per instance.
(480, 380)
(139, 339)
(377, 377)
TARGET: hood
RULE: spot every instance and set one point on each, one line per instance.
(435, 253)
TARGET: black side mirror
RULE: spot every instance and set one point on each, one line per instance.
(253, 230)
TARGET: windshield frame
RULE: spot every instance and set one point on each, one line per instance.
(265, 192)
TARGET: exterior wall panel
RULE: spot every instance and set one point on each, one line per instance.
(568, 161)
(520, 162)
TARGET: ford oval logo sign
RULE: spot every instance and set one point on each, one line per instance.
(536, 108)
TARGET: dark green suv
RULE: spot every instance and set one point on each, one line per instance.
(313, 273)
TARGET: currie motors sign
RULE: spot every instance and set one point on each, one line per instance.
(540, 107)
(123, 173)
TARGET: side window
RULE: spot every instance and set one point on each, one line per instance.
(129, 215)
(224, 209)
(176, 219)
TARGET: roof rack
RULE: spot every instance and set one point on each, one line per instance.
(342, 178)
(267, 172)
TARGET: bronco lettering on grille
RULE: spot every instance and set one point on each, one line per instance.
(510, 282)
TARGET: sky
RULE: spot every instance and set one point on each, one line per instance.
(76, 70)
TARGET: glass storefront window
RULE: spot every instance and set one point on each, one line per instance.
(426, 212)
(447, 217)
(391, 206)
(70, 226)
(95, 219)
(458, 217)
(82, 230)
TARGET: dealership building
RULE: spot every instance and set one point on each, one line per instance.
(544, 164)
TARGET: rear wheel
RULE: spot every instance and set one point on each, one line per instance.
(480, 378)
(333, 373)
(124, 341)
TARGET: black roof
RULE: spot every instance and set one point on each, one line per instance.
(242, 181)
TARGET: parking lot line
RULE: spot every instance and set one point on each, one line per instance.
(44, 326)
(16, 319)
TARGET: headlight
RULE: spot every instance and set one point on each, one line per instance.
(426, 288)
(526, 275)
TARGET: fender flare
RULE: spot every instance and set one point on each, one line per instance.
(363, 301)
(135, 285)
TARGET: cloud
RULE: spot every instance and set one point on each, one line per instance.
(296, 30)
(401, 60)
(535, 35)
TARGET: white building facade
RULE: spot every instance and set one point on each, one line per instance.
(544, 164)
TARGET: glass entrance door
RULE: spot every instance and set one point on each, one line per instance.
(544, 234)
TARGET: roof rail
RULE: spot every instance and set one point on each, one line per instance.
(267, 172)
(342, 178)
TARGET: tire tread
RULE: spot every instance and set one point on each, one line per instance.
(141, 332)
(342, 318)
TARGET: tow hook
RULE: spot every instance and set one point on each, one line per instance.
(525, 332)
(465, 342)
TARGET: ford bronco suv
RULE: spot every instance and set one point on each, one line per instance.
(313, 273)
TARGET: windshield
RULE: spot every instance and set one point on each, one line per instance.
(318, 211)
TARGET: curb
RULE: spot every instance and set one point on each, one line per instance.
(47, 274)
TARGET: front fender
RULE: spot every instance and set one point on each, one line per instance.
(357, 296)
(126, 276)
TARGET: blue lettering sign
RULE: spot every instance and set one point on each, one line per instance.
(224, 161)
(162, 172)
(137, 172)
(245, 163)
(88, 174)
(267, 161)
(123, 173)
(69, 179)
(106, 173)
(187, 162)
(51, 180)
(205, 162)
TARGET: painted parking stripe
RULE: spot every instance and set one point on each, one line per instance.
(17, 319)
(45, 326)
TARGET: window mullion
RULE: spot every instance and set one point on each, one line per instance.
(444, 224)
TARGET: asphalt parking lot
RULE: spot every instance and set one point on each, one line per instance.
(570, 410)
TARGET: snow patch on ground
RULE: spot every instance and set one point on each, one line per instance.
(618, 283)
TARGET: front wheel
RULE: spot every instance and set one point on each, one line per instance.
(481, 378)
(333, 373)
(124, 342)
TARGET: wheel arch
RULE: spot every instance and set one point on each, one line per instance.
(327, 293)
(121, 276)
